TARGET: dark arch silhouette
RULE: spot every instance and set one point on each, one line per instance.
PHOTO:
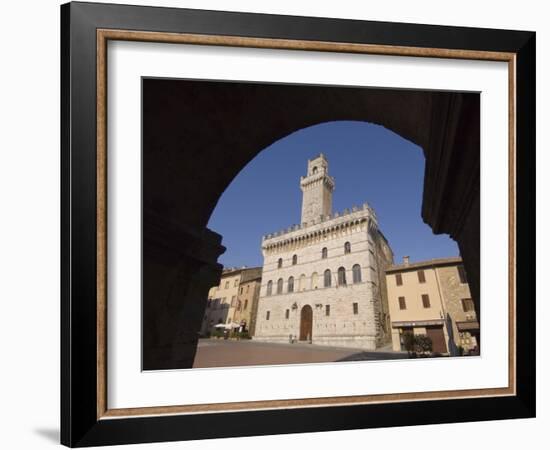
(197, 137)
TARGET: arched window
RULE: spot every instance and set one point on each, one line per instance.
(280, 263)
(280, 286)
(302, 286)
(341, 276)
(356, 273)
(324, 253)
(314, 169)
(291, 284)
(269, 287)
(295, 260)
(314, 280)
(327, 278)
(347, 247)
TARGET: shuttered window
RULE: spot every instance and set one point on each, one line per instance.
(467, 304)
(425, 300)
(421, 276)
(462, 274)
(402, 304)
(398, 279)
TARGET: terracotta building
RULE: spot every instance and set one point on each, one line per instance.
(433, 298)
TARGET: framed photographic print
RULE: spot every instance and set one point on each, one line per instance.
(277, 224)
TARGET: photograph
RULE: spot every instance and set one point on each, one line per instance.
(326, 257)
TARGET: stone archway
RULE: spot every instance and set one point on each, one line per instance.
(197, 137)
(306, 323)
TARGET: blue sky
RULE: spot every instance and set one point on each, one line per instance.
(369, 163)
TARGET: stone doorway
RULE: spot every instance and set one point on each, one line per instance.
(306, 323)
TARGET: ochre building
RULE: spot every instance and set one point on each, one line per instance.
(433, 298)
(232, 302)
(323, 281)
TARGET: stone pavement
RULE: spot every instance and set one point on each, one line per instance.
(228, 353)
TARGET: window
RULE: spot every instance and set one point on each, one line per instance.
(227, 284)
(347, 248)
(341, 276)
(324, 253)
(295, 260)
(356, 269)
(302, 286)
(280, 286)
(467, 304)
(239, 305)
(291, 284)
(233, 301)
(267, 314)
(236, 282)
(280, 263)
(241, 290)
(398, 279)
(246, 304)
(247, 287)
(421, 276)
(462, 274)
(327, 310)
(287, 313)
(269, 287)
(314, 280)
(314, 171)
(425, 300)
(402, 304)
(356, 308)
(327, 278)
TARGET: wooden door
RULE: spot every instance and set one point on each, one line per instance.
(306, 323)
(438, 339)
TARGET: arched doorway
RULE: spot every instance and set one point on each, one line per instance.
(306, 323)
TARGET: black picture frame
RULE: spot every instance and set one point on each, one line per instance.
(80, 425)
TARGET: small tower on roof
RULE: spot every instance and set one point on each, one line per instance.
(317, 187)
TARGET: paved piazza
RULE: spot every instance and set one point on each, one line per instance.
(227, 353)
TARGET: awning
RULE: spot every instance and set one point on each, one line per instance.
(470, 325)
(417, 323)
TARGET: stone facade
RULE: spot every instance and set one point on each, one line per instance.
(432, 298)
(247, 300)
(223, 299)
(323, 281)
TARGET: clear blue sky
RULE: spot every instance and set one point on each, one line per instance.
(369, 163)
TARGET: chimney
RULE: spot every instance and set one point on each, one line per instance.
(405, 260)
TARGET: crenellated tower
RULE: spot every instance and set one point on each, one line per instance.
(317, 187)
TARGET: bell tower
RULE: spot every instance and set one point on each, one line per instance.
(317, 187)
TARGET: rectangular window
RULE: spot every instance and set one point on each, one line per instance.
(227, 284)
(246, 304)
(402, 304)
(356, 308)
(425, 300)
(287, 313)
(236, 282)
(421, 276)
(327, 310)
(467, 304)
(462, 274)
(233, 301)
(398, 279)
(241, 290)
(267, 315)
